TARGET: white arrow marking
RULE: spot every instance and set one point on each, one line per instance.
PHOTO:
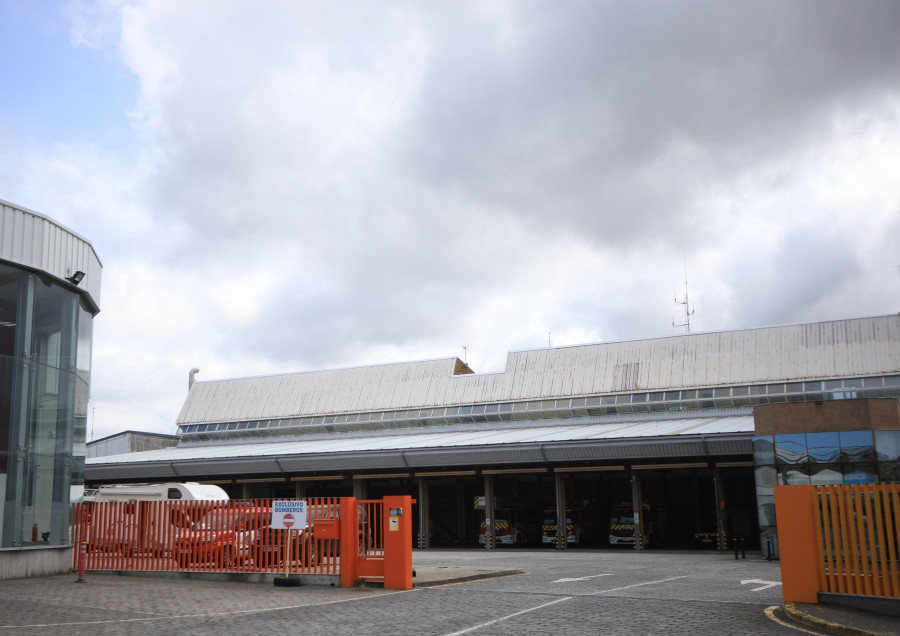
(764, 584)
(583, 578)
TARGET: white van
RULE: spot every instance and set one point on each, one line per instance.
(131, 526)
(171, 491)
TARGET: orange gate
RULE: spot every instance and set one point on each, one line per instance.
(235, 536)
(203, 536)
(838, 539)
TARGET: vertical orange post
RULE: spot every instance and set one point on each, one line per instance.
(349, 540)
(397, 543)
(798, 545)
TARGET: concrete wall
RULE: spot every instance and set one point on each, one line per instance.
(871, 414)
(29, 562)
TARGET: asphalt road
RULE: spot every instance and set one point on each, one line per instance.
(574, 592)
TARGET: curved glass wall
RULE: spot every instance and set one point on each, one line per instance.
(45, 345)
(824, 458)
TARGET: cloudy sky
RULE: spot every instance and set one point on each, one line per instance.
(280, 186)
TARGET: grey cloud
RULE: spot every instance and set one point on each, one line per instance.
(599, 99)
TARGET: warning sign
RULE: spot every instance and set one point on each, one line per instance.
(289, 514)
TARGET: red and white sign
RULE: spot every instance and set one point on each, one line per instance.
(287, 520)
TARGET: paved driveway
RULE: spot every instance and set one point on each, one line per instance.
(575, 592)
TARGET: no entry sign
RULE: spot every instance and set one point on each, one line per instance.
(289, 514)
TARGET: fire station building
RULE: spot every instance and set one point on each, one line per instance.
(688, 434)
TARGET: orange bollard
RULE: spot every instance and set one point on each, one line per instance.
(82, 563)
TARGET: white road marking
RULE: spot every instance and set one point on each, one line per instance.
(583, 578)
(625, 587)
(764, 585)
(503, 618)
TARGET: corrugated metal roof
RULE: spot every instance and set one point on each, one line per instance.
(36, 241)
(841, 348)
(582, 433)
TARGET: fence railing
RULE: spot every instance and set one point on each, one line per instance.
(205, 536)
(839, 539)
(859, 530)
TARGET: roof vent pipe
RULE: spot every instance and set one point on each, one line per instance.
(194, 372)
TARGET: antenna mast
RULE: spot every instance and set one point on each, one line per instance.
(688, 312)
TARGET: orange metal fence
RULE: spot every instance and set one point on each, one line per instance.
(858, 538)
(370, 558)
(205, 536)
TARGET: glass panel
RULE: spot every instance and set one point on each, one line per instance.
(888, 471)
(765, 480)
(44, 417)
(887, 446)
(85, 337)
(740, 390)
(764, 450)
(766, 506)
(859, 474)
(856, 446)
(790, 449)
(825, 474)
(793, 476)
(824, 448)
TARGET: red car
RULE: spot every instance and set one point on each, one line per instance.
(234, 536)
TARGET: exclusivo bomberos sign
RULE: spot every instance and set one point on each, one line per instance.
(289, 514)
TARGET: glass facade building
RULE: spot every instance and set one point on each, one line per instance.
(49, 281)
(45, 363)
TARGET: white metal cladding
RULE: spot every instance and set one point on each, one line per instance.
(33, 240)
(441, 442)
(840, 348)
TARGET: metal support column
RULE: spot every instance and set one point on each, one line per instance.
(562, 529)
(424, 510)
(299, 490)
(490, 540)
(463, 506)
(360, 489)
(722, 537)
(637, 507)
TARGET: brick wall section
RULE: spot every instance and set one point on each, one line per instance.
(869, 414)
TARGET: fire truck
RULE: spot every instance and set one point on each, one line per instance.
(576, 521)
(621, 524)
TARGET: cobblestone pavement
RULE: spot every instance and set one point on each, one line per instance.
(574, 592)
